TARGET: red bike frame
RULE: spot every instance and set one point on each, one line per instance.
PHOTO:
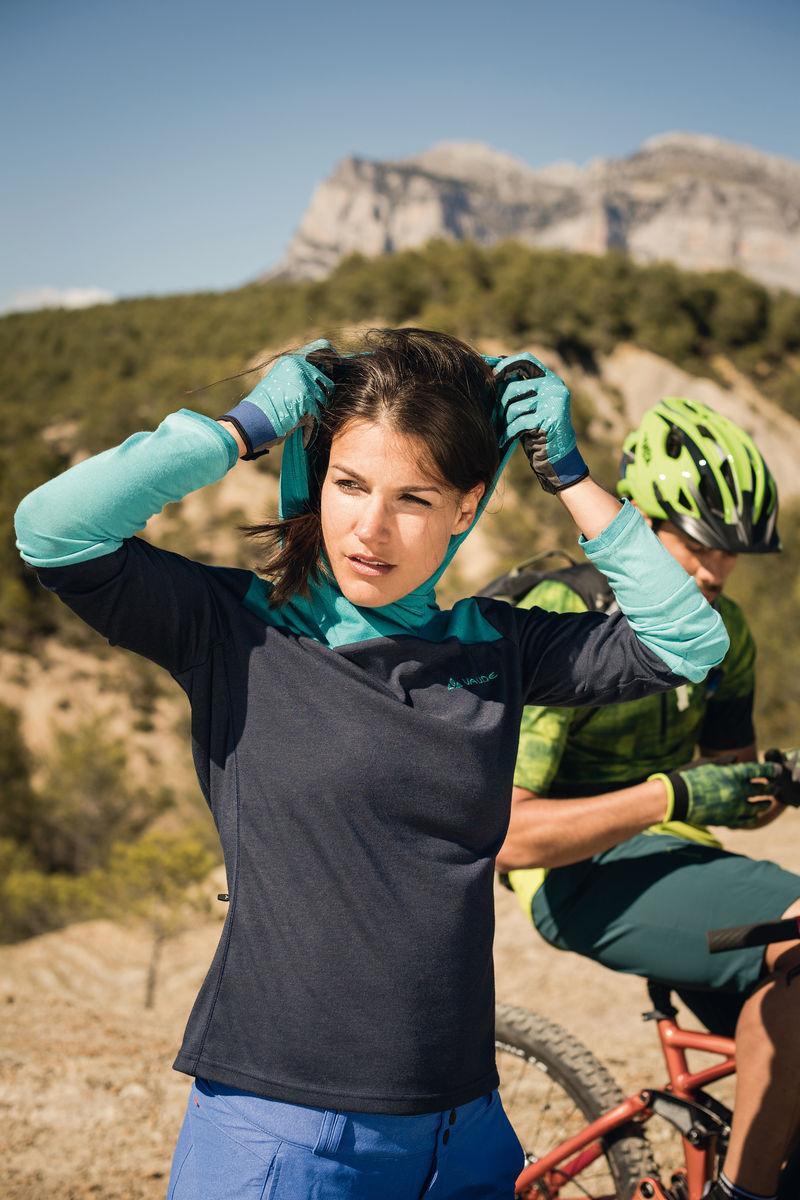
(560, 1165)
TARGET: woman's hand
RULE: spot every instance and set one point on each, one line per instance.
(534, 406)
(286, 398)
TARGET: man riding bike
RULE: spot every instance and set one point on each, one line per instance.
(615, 823)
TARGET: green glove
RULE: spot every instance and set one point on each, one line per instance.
(719, 794)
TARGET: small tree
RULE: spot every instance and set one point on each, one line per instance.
(156, 880)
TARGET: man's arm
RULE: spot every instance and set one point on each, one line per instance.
(553, 833)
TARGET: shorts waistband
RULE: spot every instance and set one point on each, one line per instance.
(326, 1131)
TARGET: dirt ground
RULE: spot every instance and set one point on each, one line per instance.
(89, 1104)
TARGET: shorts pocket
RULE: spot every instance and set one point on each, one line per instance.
(231, 1158)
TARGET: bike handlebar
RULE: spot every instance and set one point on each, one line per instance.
(738, 937)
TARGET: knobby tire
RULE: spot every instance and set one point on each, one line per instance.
(552, 1086)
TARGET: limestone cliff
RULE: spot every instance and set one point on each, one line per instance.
(696, 201)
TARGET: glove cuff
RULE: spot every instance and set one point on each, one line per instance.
(570, 469)
(554, 477)
(254, 426)
(677, 795)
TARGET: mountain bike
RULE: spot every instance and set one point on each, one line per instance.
(582, 1136)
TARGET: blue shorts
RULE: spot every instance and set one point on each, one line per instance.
(644, 908)
(234, 1145)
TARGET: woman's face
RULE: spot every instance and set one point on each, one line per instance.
(386, 519)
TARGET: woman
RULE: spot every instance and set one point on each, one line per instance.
(356, 744)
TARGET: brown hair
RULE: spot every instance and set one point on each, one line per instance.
(421, 383)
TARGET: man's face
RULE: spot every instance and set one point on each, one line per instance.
(709, 568)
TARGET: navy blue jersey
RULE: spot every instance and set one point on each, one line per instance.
(361, 794)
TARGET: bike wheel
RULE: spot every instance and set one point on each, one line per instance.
(552, 1086)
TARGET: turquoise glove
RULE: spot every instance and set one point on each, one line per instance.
(719, 794)
(287, 397)
(538, 413)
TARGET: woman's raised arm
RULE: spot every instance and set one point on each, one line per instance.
(89, 510)
(663, 605)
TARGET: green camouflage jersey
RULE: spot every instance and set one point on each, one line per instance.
(583, 752)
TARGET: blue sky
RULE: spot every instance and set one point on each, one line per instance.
(173, 145)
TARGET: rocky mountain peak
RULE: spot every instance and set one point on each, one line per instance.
(688, 198)
(470, 162)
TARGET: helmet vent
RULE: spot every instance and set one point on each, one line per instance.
(727, 475)
(712, 497)
(674, 442)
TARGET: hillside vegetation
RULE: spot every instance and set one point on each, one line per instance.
(93, 823)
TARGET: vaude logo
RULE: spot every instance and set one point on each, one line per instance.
(473, 679)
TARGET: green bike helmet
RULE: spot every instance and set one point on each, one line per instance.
(689, 465)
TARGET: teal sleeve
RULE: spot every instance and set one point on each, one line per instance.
(90, 509)
(664, 605)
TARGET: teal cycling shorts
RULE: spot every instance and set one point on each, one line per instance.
(644, 908)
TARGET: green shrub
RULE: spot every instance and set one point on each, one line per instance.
(33, 901)
(86, 802)
(15, 786)
(154, 879)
